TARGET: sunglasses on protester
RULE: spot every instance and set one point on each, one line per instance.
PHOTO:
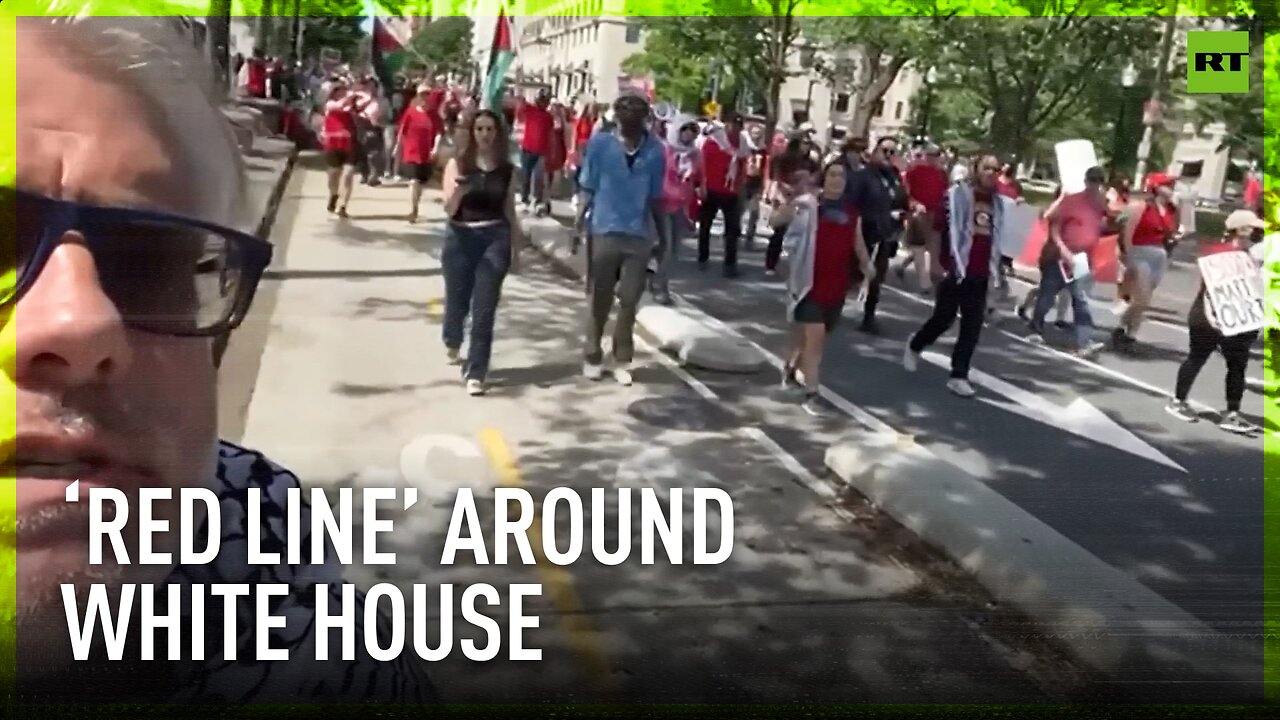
(165, 274)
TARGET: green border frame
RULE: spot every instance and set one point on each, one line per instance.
(9, 9)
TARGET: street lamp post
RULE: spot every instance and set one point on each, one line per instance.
(1128, 78)
(1151, 117)
(930, 78)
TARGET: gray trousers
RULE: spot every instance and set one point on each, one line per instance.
(618, 264)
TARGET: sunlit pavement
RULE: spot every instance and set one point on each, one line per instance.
(352, 389)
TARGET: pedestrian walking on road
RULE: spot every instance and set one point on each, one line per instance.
(926, 184)
(416, 143)
(681, 177)
(878, 193)
(969, 259)
(723, 176)
(823, 241)
(1149, 231)
(339, 141)
(622, 184)
(793, 167)
(1205, 337)
(482, 242)
(1076, 221)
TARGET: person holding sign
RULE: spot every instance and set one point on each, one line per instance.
(1075, 228)
(1227, 315)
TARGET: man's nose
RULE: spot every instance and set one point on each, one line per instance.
(69, 333)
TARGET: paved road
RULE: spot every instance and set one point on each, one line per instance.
(811, 605)
(1192, 535)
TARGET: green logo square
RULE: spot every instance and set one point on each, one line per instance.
(1217, 62)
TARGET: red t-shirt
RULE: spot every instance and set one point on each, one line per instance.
(833, 254)
(339, 126)
(715, 164)
(435, 100)
(928, 186)
(418, 132)
(1008, 187)
(537, 129)
(1080, 217)
(980, 250)
(1156, 226)
(256, 82)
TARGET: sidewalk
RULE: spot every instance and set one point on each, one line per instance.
(1145, 640)
(353, 372)
(269, 166)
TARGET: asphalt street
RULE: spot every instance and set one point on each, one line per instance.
(1176, 505)
(813, 605)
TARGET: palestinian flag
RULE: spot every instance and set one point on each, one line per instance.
(390, 42)
(501, 54)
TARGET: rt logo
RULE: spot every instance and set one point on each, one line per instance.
(1219, 63)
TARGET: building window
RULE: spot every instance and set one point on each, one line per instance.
(897, 110)
(842, 102)
(633, 33)
(879, 109)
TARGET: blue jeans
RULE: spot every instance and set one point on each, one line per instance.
(1052, 282)
(530, 166)
(668, 247)
(475, 262)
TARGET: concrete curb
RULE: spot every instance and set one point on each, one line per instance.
(262, 230)
(1106, 617)
(671, 329)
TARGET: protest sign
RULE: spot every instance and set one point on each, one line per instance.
(1233, 293)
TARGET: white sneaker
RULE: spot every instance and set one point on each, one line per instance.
(961, 387)
(453, 355)
(910, 360)
(622, 375)
(593, 372)
(475, 388)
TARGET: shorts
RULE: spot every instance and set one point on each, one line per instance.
(808, 312)
(1147, 262)
(418, 172)
(339, 158)
(920, 230)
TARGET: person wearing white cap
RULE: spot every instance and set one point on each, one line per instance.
(1206, 334)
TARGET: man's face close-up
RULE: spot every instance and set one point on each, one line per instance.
(96, 400)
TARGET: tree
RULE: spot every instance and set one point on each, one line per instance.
(753, 39)
(1242, 114)
(884, 45)
(681, 77)
(444, 46)
(1026, 75)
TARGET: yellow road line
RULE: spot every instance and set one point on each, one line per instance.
(557, 582)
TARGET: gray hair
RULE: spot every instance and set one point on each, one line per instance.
(160, 60)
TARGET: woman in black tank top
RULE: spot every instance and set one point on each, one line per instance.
(482, 241)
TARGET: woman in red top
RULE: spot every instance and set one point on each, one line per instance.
(340, 145)
(416, 141)
(1150, 227)
(824, 237)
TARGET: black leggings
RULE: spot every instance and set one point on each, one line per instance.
(1235, 350)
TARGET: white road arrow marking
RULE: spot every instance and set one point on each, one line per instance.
(1080, 417)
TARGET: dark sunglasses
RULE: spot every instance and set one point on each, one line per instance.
(165, 274)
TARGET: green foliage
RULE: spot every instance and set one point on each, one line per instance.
(443, 46)
(340, 33)
(1029, 79)
(886, 45)
(749, 40)
(681, 77)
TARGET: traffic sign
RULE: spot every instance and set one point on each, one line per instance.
(712, 108)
